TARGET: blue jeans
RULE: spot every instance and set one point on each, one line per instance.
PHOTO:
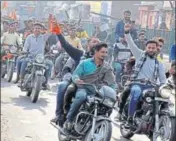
(135, 94)
(18, 64)
(80, 98)
(118, 69)
(47, 74)
(60, 97)
(23, 62)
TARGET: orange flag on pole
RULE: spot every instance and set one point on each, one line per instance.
(5, 5)
(10, 15)
(14, 15)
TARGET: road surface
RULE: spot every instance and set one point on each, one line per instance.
(25, 121)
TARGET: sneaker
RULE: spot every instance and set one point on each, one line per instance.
(118, 117)
(55, 120)
(129, 123)
(20, 82)
(16, 80)
(45, 87)
(68, 125)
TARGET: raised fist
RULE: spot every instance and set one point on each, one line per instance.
(127, 27)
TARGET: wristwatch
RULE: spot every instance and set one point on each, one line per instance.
(127, 32)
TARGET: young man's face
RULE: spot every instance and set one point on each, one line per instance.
(102, 53)
(159, 47)
(37, 29)
(5, 25)
(72, 32)
(92, 43)
(127, 16)
(12, 27)
(30, 24)
(151, 49)
(142, 37)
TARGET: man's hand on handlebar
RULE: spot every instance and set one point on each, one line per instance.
(78, 81)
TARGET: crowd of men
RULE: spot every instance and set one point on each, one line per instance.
(93, 69)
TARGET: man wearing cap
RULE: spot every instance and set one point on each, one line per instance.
(34, 44)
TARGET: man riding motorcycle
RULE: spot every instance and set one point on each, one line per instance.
(72, 40)
(65, 83)
(121, 54)
(159, 47)
(147, 67)
(10, 38)
(34, 44)
(95, 71)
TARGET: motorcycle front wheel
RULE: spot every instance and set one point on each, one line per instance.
(36, 88)
(3, 70)
(103, 132)
(11, 66)
(167, 129)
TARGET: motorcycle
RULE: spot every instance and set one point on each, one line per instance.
(52, 56)
(8, 62)
(34, 77)
(155, 117)
(93, 122)
(61, 61)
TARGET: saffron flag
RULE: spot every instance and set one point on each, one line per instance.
(5, 5)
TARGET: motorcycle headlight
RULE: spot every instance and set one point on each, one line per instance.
(148, 99)
(108, 102)
(39, 58)
(165, 91)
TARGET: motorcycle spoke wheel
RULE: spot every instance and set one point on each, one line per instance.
(103, 131)
(165, 128)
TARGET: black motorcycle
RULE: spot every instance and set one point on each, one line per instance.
(92, 123)
(8, 62)
(62, 59)
(34, 77)
(154, 116)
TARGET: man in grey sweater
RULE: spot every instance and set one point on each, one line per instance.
(34, 44)
(147, 67)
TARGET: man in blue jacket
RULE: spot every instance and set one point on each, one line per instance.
(119, 31)
(172, 55)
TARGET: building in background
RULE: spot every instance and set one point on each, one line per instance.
(118, 8)
(156, 14)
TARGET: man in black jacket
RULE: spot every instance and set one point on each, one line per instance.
(76, 55)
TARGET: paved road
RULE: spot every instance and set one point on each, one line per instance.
(25, 121)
